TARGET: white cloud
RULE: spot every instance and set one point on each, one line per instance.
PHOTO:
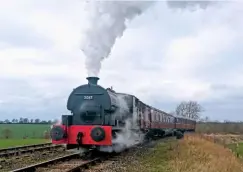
(164, 56)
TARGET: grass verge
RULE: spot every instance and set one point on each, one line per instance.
(237, 148)
(191, 154)
(5, 143)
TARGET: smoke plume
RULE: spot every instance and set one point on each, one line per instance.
(190, 4)
(107, 23)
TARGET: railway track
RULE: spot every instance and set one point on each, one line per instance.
(67, 163)
(14, 151)
(74, 162)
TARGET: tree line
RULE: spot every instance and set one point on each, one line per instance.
(27, 121)
(189, 109)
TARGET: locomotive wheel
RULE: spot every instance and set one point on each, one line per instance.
(179, 135)
(97, 134)
(57, 133)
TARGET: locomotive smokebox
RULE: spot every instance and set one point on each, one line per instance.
(93, 80)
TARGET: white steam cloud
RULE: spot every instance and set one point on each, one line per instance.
(130, 134)
(107, 23)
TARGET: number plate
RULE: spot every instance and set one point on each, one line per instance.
(88, 97)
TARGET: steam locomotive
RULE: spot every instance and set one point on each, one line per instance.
(98, 115)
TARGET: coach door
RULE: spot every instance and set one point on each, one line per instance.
(149, 117)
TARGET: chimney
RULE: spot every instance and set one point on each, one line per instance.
(92, 80)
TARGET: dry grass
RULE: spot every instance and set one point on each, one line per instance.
(194, 153)
(216, 127)
(223, 139)
(197, 154)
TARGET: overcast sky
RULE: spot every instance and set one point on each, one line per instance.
(165, 56)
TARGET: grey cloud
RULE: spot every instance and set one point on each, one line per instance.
(32, 102)
(19, 35)
(189, 4)
(221, 110)
(215, 110)
(20, 99)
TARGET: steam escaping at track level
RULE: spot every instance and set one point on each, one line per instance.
(107, 22)
(130, 134)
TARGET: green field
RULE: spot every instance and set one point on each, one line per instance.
(23, 134)
(20, 131)
(237, 148)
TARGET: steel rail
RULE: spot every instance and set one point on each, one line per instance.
(33, 167)
(30, 150)
(72, 163)
(24, 147)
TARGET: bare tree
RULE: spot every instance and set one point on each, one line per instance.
(190, 109)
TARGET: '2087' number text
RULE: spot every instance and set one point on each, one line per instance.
(88, 97)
